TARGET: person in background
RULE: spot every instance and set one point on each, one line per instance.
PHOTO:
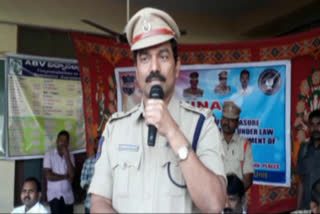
(30, 196)
(238, 151)
(308, 167)
(315, 197)
(314, 201)
(87, 173)
(236, 195)
(58, 167)
(245, 89)
(193, 91)
(222, 88)
(170, 176)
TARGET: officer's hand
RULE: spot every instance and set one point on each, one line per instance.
(156, 113)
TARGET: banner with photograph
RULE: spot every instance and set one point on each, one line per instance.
(44, 97)
(261, 89)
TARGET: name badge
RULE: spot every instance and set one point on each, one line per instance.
(128, 147)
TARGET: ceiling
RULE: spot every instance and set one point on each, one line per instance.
(206, 21)
(250, 18)
(225, 8)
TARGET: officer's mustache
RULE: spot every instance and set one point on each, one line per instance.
(226, 127)
(27, 197)
(315, 135)
(228, 210)
(155, 75)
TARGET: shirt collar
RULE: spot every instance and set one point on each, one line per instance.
(311, 144)
(233, 139)
(31, 209)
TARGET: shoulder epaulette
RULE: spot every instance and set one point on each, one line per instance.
(204, 111)
(121, 114)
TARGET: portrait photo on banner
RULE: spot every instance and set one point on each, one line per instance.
(260, 89)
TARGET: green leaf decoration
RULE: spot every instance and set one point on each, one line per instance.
(317, 92)
(301, 97)
(309, 81)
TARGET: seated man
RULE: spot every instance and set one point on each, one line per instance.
(315, 197)
(30, 197)
(235, 198)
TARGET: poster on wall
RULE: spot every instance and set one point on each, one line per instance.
(44, 97)
(261, 89)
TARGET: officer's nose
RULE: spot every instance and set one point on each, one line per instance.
(154, 64)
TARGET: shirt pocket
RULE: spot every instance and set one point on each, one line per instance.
(234, 163)
(125, 173)
(172, 181)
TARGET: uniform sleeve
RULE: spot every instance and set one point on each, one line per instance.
(248, 160)
(102, 180)
(209, 150)
(46, 161)
(299, 169)
(84, 174)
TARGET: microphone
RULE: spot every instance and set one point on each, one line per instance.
(156, 92)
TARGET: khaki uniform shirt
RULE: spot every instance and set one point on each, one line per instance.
(135, 177)
(219, 89)
(236, 160)
(189, 93)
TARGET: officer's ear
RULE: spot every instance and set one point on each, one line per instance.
(178, 64)
(315, 208)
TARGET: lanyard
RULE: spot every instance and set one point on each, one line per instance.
(194, 147)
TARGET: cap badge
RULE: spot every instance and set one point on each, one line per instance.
(146, 26)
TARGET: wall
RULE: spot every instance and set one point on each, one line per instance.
(8, 39)
(6, 186)
(8, 43)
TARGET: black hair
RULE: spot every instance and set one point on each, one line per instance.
(235, 186)
(65, 133)
(174, 46)
(315, 192)
(245, 71)
(33, 179)
(194, 75)
(315, 113)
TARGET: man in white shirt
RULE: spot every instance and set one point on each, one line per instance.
(58, 165)
(30, 197)
(245, 89)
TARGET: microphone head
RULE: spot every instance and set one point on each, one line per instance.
(156, 92)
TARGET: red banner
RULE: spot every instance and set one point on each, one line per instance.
(99, 56)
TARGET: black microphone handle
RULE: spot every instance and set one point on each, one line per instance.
(152, 134)
(156, 92)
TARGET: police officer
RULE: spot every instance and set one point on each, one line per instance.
(193, 91)
(170, 177)
(222, 88)
(238, 151)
